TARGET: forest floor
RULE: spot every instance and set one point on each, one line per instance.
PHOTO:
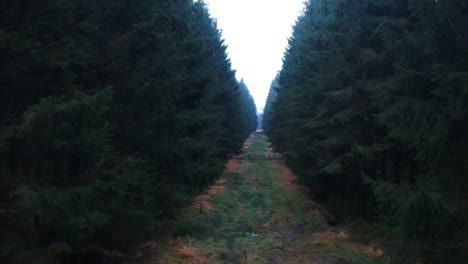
(256, 213)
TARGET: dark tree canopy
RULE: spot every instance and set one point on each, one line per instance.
(372, 112)
(271, 99)
(113, 114)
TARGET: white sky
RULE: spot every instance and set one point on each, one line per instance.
(256, 33)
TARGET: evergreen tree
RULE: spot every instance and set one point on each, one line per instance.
(249, 111)
(113, 115)
(371, 113)
(271, 99)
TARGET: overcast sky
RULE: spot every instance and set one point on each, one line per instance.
(256, 32)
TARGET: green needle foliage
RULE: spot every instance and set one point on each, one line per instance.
(372, 112)
(113, 114)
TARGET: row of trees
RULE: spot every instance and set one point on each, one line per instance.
(372, 112)
(112, 115)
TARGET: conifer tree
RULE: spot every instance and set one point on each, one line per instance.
(113, 115)
(271, 99)
(371, 113)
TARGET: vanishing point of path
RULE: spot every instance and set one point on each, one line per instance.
(256, 213)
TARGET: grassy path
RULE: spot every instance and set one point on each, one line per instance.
(256, 214)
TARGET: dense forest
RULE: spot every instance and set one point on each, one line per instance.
(371, 110)
(113, 114)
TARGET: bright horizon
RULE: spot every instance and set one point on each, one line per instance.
(256, 33)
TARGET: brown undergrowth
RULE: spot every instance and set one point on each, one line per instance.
(290, 181)
(288, 178)
(202, 203)
(248, 143)
(178, 251)
(191, 255)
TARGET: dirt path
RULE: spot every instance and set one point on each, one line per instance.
(256, 213)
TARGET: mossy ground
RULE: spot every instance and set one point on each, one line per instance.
(257, 219)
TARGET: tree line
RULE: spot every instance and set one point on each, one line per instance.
(371, 110)
(113, 115)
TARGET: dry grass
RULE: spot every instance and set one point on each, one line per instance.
(290, 181)
(373, 252)
(202, 203)
(271, 155)
(342, 237)
(232, 166)
(177, 253)
(248, 143)
(330, 236)
(369, 250)
(218, 187)
(191, 255)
